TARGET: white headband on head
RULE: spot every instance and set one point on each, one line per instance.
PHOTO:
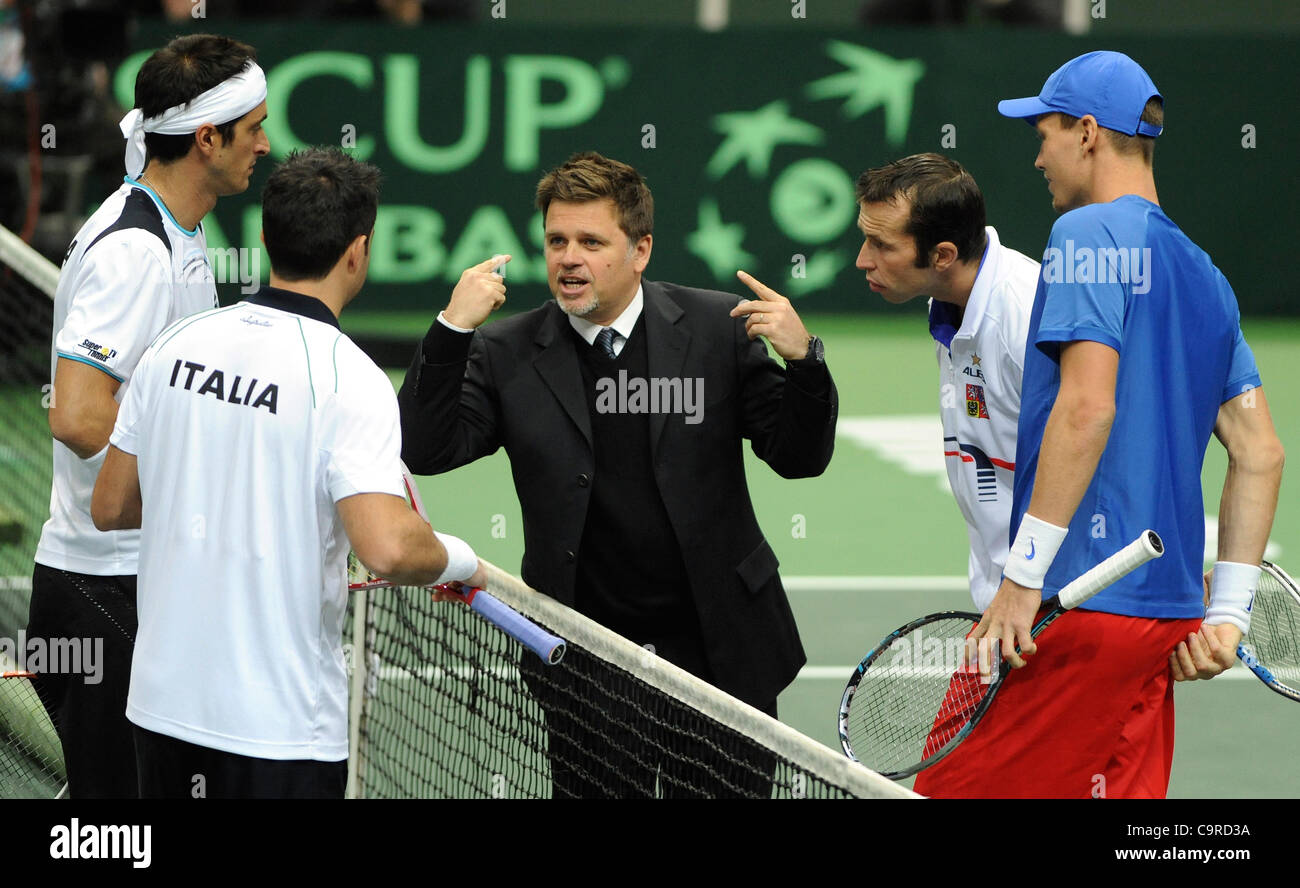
(229, 100)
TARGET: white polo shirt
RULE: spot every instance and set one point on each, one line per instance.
(981, 354)
(130, 271)
(249, 423)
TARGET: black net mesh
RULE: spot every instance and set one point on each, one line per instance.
(453, 707)
(30, 759)
(27, 314)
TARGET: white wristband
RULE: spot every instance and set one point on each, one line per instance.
(1031, 555)
(1232, 591)
(461, 560)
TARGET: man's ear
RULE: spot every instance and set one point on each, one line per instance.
(357, 251)
(208, 139)
(943, 256)
(641, 253)
(1089, 133)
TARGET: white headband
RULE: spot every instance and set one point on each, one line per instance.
(229, 100)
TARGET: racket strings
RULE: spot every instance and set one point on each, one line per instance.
(31, 758)
(1275, 629)
(915, 697)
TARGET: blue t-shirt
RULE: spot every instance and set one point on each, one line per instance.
(1124, 275)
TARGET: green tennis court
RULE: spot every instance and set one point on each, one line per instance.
(878, 540)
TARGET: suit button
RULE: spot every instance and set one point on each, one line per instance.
(570, 557)
(584, 481)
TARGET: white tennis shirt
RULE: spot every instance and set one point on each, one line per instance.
(981, 354)
(130, 271)
(249, 423)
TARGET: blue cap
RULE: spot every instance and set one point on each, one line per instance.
(1108, 85)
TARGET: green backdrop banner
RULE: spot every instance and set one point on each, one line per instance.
(750, 140)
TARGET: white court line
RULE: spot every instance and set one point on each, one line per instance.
(1238, 672)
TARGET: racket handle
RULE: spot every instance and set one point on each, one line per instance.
(1121, 564)
(523, 630)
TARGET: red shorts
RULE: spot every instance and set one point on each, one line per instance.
(1090, 716)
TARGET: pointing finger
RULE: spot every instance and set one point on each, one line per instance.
(491, 264)
(763, 291)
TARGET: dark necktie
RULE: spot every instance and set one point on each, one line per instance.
(605, 339)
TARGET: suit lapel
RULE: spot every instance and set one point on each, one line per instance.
(557, 364)
(667, 342)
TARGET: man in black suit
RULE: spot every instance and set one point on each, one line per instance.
(623, 404)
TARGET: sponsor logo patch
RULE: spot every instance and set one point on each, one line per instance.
(99, 352)
(975, 370)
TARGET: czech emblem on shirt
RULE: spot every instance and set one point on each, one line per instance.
(975, 405)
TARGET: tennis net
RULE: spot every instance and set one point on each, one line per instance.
(446, 705)
(31, 762)
(27, 282)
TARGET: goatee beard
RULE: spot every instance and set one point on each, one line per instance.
(578, 311)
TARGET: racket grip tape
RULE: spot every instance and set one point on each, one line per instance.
(523, 630)
(1137, 553)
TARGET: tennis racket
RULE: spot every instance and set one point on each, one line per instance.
(919, 693)
(547, 646)
(31, 757)
(1271, 649)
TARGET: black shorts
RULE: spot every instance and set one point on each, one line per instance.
(176, 769)
(88, 709)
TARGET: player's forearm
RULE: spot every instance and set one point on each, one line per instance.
(116, 502)
(1249, 500)
(83, 425)
(413, 556)
(117, 514)
(1076, 434)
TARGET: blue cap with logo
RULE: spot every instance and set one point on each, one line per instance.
(1108, 85)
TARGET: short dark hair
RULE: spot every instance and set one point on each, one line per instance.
(180, 72)
(316, 202)
(1123, 143)
(946, 203)
(591, 176)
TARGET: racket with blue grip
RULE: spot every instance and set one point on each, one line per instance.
(548, 646)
